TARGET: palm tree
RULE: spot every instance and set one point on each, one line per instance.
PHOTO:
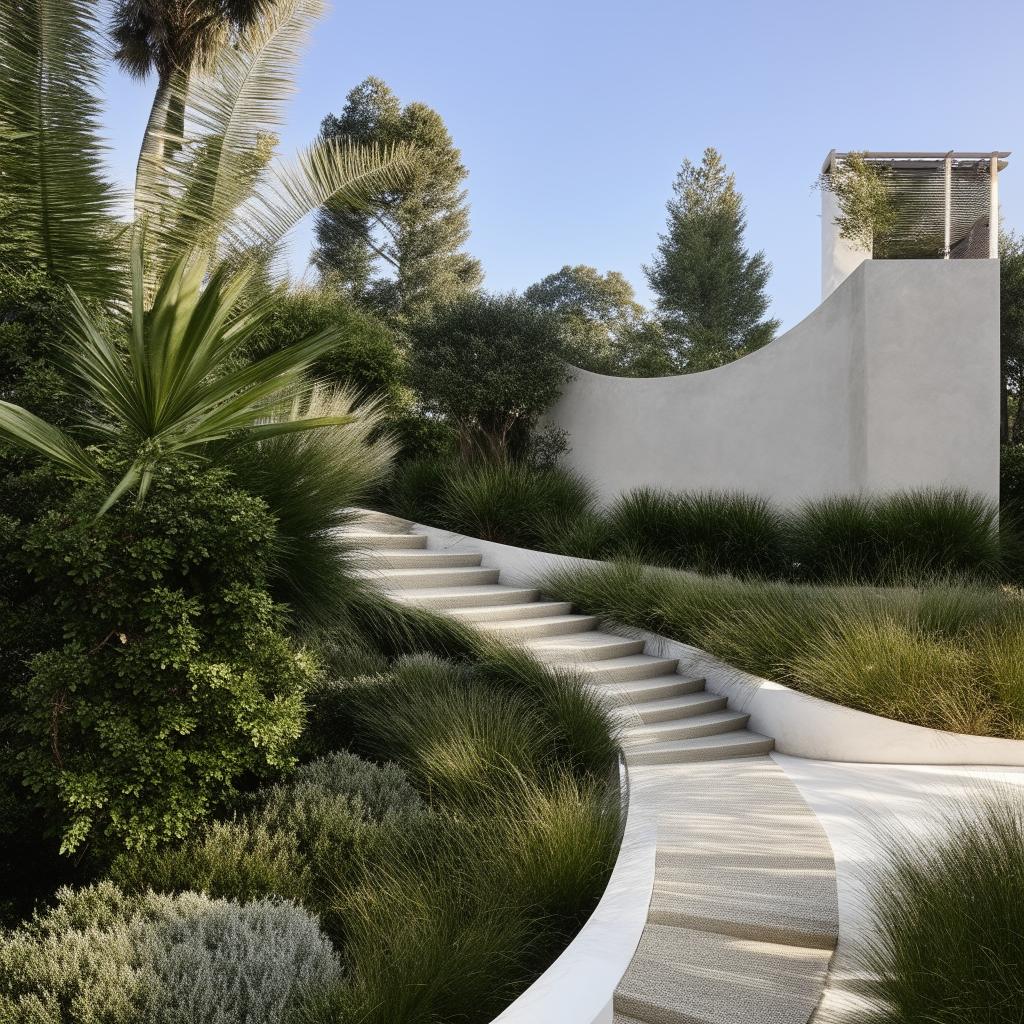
(172, 38)
(208, 215)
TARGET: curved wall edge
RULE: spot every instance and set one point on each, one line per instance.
(892, 382)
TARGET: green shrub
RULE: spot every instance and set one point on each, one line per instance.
(511, 502)
(174, 677)
(103, 956)
(705, 531)
(298, 840)
(242, 859)
(490, 365)
(943, 656)
(367, 357)
(947, 922)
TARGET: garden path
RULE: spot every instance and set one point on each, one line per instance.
(743, 916)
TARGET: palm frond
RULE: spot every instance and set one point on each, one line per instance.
(61, 209)
(27, 431)
(191, 186)
(335, 171)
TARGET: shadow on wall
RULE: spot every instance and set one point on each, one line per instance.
(891, 383)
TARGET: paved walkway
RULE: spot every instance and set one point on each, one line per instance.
(858, 802)
(743, 917)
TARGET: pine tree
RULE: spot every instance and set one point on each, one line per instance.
(710, 290)
(406, 257)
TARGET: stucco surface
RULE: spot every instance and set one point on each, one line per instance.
(892, 382)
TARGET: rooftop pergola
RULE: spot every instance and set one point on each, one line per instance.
(956, 190)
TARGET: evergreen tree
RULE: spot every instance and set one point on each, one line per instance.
(406, 256)
(710, 291)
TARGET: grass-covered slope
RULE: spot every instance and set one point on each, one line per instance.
(944, 656)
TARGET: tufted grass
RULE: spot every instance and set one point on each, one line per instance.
(945, 656)
(948, 916)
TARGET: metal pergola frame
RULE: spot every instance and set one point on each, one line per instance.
(994, 160)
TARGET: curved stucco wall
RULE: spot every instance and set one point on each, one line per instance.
(892, 382)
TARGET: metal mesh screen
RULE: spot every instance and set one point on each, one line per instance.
(920, 201)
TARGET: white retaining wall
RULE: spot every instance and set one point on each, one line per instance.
(892, 382)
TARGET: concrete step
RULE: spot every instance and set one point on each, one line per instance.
(364, 539)
(627, 668)
(504, 612)
(702, 748)
(679, 976)
(712, 724)
(456, 597)
(547, 625)
(410, 579)
(671, 708)
(593, 646)
(383, 522)
(635, 694)
(392, 559)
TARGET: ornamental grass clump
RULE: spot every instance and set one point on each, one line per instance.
(459, 917)
(947, 920)
(511, 502)
(896, 538)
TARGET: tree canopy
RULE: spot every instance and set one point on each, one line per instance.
(710, 291)
(405, 256)
(603, 327)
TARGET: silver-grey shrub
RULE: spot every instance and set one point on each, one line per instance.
(103, 957)
(216, 962)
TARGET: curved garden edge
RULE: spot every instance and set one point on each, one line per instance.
(801, 725)
(579, 987)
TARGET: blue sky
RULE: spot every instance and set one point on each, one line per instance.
(573, 117)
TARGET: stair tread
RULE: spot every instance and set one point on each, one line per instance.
(683, 976)
(596, 638)
(637, 693)
(738, 743)
(682, 705)
(520, 610)
(448, 598)
(553, 620)
(428, 572)
(653, 732)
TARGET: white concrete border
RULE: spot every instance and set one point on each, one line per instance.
(801, 725)
(579, 987)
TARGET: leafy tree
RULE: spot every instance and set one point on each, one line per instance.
(710, 290)
(417, 231)
(490, 364)
(1011, 335)
(604, 328)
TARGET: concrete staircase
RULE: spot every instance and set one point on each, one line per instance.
(666, 718)
(743, 917)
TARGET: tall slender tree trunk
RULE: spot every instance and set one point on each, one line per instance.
(165, 128)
